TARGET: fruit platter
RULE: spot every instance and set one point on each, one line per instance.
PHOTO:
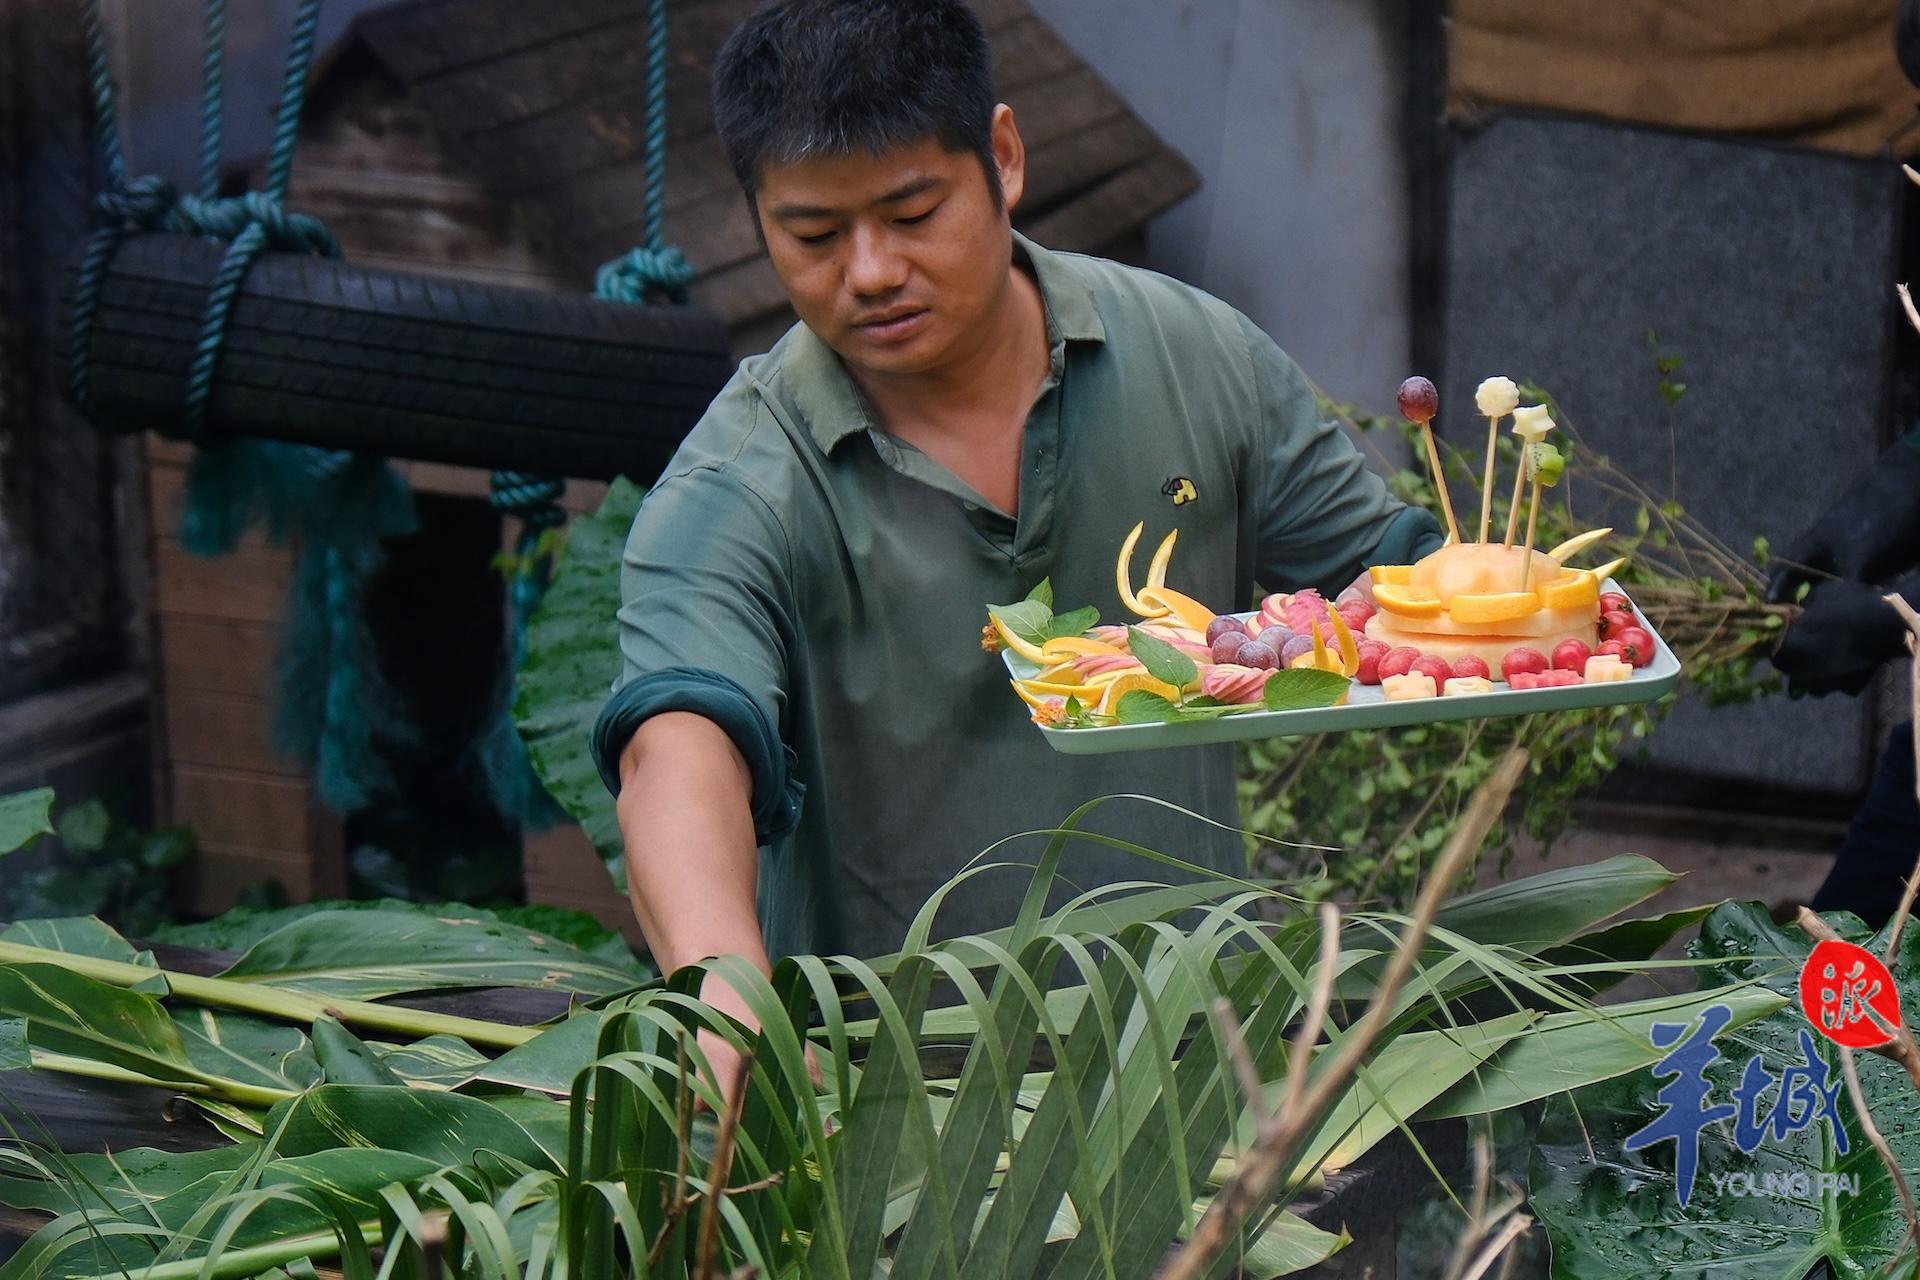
(1475, 629)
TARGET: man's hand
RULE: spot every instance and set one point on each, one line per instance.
(1844, 636)
(686, 818)
(1871, 533)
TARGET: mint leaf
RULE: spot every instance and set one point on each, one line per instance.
(1042, 594)
(1162, 660)
(1303, 687)
(1141, 707)
(1029, 619)
(1079, 622)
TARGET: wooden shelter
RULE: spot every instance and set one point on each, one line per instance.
(504, 142)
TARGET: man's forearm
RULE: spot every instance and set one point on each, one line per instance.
(686, 820)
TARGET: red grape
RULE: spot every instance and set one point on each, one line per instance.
(1225, 624)
(1636, 646)
(1522, 660)
(1398, 661)
(1429, 665)
(1471, 665)
(1610, 600)
(1571, 655)
(1418, 399)
(1371, 652)
(1256, 655)
(1613, 621)
(1613, 646)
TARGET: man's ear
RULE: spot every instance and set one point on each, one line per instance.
(1009, 156)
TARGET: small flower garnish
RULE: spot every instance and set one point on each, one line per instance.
(989, 639)
(1051, 713)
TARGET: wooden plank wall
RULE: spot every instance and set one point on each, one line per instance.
(214, 624)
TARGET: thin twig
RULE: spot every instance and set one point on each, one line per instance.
(1517, 1225)
(1901, 1048)
(1864, 1118)
(1276, 1138)
(1307, 1036)
(719, 1171)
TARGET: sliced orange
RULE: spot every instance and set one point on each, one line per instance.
(1061, 647)
(1041, 689)
(1349, 649)
(1061, 673)
(1123, 575)
(1129, 683)
(1391, 575)
(1191, 613)
(1574, 590)
(1404, 602)
(1157, 567)
(1503, 607)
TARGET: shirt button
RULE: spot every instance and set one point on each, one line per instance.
(971, 506)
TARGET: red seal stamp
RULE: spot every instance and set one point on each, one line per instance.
(1848, 995)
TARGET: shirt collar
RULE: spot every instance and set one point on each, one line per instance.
(832, 405)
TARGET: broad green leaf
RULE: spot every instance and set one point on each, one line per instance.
(233, 1046)
(1614, 1213)
(24, 818)
(363, 955)
(444, 1128)
(69, 1014)
(1628, 943)
(1042, 592)
(1555, 906)
(14, 1053)
(1289, 1244)
(572, 660)
(442, 1061)
(345, 1058)
(77, 936)
(549, 1061)
(1298, 689)
(1162, 660)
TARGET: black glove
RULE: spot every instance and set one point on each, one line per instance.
(1847, 631)
(1871, 533)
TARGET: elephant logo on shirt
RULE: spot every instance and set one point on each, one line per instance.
(1181, 490)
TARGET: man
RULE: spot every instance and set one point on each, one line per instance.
(1866, 545)
(807, 739)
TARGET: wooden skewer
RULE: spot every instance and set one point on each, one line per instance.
(1440, 482)
(1513, 507)
(1486, 483)
(1533, 524)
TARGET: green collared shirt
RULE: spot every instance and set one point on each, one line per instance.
(817, 587)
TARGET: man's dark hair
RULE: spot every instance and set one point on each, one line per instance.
(805, 78)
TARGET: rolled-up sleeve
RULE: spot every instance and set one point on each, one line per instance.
(1324, 516)
(706, 625)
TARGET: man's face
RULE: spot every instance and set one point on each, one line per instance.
(897, 261)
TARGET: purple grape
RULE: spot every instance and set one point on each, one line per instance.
(1225, 624)
(1256, 655)
(1227, 647)
(1295, 647)
(1276, 637)
(1419, 401)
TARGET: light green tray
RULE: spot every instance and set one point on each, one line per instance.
(1366, 708)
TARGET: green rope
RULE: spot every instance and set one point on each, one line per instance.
(635, 277)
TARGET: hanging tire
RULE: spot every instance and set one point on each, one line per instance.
(322, 352)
